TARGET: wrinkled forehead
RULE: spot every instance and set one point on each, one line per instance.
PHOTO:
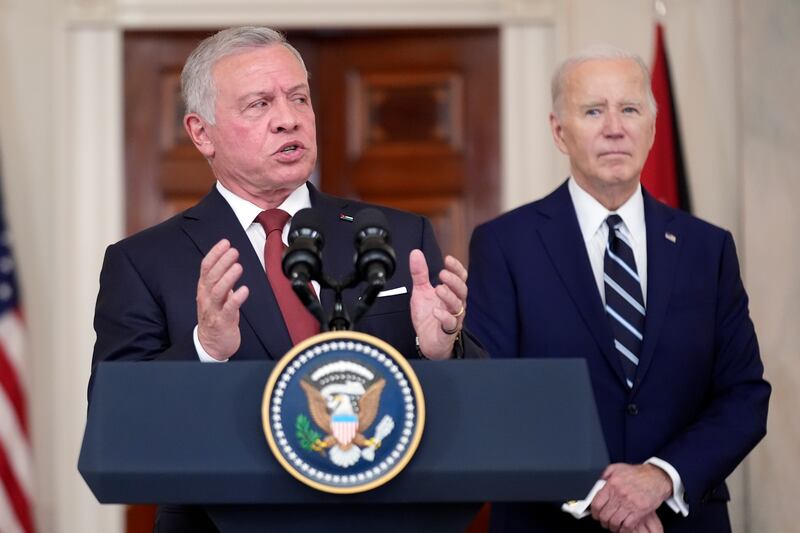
(253, 59)
(607, 79)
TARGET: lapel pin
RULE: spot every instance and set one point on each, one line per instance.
(671, 237)
(346, 218)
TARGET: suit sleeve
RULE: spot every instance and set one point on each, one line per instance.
(735, 417)
(492, 307)
(129, 323)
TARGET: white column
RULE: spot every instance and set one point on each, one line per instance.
(530, 167)
(89, 209)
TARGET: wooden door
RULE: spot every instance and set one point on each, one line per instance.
(405, 118)
(410, 120)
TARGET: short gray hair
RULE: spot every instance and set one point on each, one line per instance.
(197, 80)
(603, 51)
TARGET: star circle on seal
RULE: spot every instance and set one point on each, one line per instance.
(343, 412)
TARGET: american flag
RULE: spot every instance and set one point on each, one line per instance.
(16, 475)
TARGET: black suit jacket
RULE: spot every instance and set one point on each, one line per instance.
(146, 306)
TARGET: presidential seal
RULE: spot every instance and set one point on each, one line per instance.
(343, 412)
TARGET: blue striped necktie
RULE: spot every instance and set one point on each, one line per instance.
(624, 302)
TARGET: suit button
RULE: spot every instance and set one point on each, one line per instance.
(633, 409)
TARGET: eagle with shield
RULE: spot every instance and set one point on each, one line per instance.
(343, 399)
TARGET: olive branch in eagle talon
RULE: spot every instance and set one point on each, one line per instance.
(309, 439)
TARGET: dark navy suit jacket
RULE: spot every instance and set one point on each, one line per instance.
(146, 306)
(699, 400)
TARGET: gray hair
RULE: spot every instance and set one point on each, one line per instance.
(197, 80)
(604, 51)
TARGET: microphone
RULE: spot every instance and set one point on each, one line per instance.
(302, 261)
(375, 258)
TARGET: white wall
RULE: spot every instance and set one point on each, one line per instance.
(770, 138)
(734, 70)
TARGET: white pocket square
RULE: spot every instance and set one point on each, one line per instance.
(392, 292)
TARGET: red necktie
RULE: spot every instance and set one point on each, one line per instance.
(300, 323)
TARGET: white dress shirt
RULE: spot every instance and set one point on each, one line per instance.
(246, 213)
(592, 221)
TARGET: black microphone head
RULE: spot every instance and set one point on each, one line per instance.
(371, 221)
(303, 258)
(375, 258)
(306, 223)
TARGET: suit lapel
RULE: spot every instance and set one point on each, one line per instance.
(206, 224)
(562, 240)
(662, 261)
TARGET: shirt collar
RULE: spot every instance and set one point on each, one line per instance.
(592, 214)
(246, 212)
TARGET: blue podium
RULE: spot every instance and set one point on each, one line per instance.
(509, 430)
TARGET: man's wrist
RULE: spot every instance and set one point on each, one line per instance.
(456, 352)
(202, 354)
(665, 481)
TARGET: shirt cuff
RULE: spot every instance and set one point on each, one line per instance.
(676, 502)
(201, 353)
(580, 508)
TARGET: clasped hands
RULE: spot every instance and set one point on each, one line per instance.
(437, 313)
(628, 501)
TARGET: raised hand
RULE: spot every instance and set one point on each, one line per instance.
(217, 303)
(437, 312)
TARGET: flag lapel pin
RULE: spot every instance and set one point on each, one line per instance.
(671, 237)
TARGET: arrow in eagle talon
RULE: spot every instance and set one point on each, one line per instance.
(385, 426)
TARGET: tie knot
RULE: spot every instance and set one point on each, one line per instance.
(273, 219)
(613, 221)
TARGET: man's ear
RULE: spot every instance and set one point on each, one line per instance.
(558, 132)
(197, 128)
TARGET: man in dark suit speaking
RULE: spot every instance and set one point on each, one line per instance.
(650, 296)
(194, 287)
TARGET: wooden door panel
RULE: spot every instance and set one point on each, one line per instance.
(411, 119)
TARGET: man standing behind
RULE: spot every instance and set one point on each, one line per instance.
(650, 296)
(195, 286)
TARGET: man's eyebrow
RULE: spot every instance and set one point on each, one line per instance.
(298, 87)
(270, 94)
(254, 94)
(594, 103)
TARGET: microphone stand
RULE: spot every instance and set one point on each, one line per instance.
(340, 319)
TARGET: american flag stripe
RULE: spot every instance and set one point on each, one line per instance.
(12, 336)
(19, 500)
(8, 519)
(16, 448)
(10, 386)
(16, 474)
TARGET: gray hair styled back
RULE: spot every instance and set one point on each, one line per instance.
(602, 51)
(197, 80)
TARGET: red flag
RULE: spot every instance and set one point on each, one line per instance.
(664, 174)
(16, 476)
